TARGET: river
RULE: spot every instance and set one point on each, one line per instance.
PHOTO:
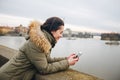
(98, 59)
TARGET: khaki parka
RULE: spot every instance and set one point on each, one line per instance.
(33, 56)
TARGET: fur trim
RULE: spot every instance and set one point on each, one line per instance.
(38, 38)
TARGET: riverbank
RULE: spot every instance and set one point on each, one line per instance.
(70, 74)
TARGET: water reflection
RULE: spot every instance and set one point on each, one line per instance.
(12, 42)
(112, 43)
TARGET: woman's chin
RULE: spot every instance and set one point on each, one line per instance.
(57, 39)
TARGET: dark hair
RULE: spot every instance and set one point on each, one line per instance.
(52, 24)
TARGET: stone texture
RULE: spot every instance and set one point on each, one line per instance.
(69, 74)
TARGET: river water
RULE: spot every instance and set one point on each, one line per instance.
(98, 59)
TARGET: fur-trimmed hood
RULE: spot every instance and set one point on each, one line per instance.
(38, 38)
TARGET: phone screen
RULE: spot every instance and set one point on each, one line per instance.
(79, 54)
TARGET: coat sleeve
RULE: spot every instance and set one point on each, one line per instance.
(50, 60)
(39, 60)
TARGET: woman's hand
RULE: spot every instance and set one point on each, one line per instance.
(72, 59)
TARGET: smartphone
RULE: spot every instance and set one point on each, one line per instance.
(78, 55)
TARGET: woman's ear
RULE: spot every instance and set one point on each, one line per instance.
(52, 32)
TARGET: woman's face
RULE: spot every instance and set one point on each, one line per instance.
(58, 33)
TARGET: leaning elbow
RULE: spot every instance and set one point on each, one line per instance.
(43, 70)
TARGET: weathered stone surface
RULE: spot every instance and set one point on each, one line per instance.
(67, 75)
(6, 53)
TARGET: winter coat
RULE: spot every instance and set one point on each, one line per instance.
(33, 57)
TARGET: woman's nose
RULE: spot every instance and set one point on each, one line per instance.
(61, 35)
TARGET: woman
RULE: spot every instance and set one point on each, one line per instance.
(34, 55)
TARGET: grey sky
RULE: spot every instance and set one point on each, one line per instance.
(96, 14)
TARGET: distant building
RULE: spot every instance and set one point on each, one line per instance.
(21, 30)
(69, 33)
(110, 36)
(13, 31)
(5, 29)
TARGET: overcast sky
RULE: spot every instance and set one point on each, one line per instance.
(92, 14)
